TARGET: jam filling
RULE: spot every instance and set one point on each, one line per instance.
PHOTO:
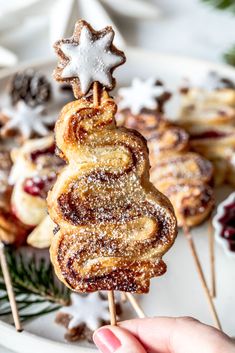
(36, 154)
(39, 185)
(209, 135)
(228, 225)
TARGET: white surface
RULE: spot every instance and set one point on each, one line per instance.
(179, 291)
(185, 27)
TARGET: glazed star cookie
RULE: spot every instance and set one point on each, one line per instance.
(142, 95)
(86, 57)
(113, 226)
(25, 121)
(84, 315)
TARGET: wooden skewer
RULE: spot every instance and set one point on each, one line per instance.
(111, 300)
(212, 259)
(123, 297)
(112, 308)
(9, 287)
(96, 94)
(141, 314)
(202, 277)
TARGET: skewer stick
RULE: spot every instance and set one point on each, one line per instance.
(111, 300)
(202, 277)
(96, 94)
(212, 259)
(112, 308)
(141, 314)
(123, 297)
(9, 287)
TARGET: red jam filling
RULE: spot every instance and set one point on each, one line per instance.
(39, 185)
(38, 153)
(209, 134)
(228, 225)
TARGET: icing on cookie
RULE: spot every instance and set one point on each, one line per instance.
(141, 94)
(27, 120)
(90, 309)
(91, 60)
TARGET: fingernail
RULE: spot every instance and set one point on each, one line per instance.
(106, 341)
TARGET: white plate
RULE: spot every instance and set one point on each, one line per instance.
(179, 291)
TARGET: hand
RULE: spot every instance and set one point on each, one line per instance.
(162, 335)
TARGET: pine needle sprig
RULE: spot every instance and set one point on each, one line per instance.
(222, 4)
(229, 56)
(36, 288)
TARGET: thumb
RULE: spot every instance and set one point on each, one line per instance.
(110, 339)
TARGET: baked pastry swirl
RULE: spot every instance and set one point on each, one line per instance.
(113, 226)
(32, 175)
(11, 229)
(208, 115)
(184, 177)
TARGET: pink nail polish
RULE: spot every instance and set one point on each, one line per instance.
(106, 341)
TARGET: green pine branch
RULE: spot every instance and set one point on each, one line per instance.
(222, 4)
(229, 56)
(36, 288)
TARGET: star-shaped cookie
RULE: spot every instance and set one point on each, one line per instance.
(142, 94)
(25, 120)
(86, 57)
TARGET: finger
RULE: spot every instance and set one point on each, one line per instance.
(178, 335)
(110, 339)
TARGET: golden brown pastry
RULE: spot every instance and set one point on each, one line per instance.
(181, 175)
(184, 178)
(113, 225)
(208, 114)
(11, 229)
(32, 175)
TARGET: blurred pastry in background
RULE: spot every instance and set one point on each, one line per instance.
(33, 173)
(184, 177)
(11, 229)
(207, 113)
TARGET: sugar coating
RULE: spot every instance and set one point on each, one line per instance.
(114, 226)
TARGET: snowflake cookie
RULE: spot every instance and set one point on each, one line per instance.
(142, 94)
(86, 57)
(84, 315)
(25, 120)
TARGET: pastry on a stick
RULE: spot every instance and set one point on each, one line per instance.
(181, 175)
(113, 226)
(208, 114)
(33, 174)
(11, 229)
